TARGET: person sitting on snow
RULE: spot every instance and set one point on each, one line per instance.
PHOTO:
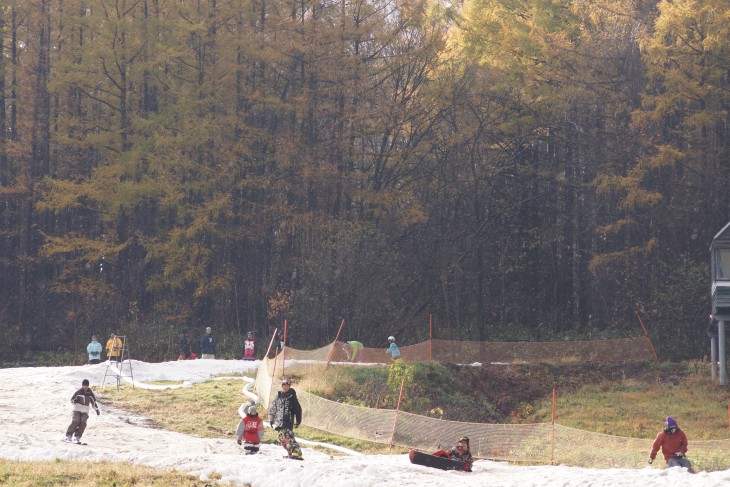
(250, 431)
(460, 453)
(673, 443)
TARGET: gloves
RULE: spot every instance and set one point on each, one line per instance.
(679, 454)
(97, 412)
(651, 460)
(239, 441)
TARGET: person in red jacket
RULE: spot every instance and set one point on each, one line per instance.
(673, 443)
(250, 431)
(460, 452)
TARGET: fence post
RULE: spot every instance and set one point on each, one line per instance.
(283, 352)
(430, 337)
(397, 410)
(552, 454)
(334, 344)
(273, 337)
(647, 338)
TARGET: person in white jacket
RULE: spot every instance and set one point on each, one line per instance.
(83, 400)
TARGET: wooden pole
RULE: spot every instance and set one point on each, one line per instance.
(552, 454)
(273, 337)
(283, 352)
(334, 344)
(647, 337)
(430, 337)
(397, 410)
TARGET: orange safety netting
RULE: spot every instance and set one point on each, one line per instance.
(541, 443)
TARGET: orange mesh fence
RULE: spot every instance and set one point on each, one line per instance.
(466, 352)
(522, 443)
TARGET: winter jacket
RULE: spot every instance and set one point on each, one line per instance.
(94, 350)
(207, 344)
(184, 345)
(250, 429)
(83, 400)
(285, 411)
(455, 454)
(670, 443)
(249, 349)
(114, 347)
(393, 350)
(354, 347)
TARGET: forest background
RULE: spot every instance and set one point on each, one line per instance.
(517, 169)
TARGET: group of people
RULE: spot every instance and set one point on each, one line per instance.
(285, 412)
(114, 349)
(208, 345)
(354, 350)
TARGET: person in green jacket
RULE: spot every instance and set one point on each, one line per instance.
(94, 350)
(353, 349)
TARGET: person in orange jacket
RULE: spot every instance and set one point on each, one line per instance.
(673, 443)
(114, 348)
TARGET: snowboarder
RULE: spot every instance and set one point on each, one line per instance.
(207, 344)
(285, 414)
(250, 431)
(393, 349)
(94, 350)
(249, 347)
(114, 348)
(353, 349)
(82, 401)
(460, 452)
(673, 443)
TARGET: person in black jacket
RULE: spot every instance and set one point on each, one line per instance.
(82, 400)
(207, 344)
(184, 345)
(285, 414)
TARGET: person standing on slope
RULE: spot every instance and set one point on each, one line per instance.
(673, 443)
(285, 414)
(184, 345)
(82, 401)
(94, 350)
(249, 347)
(114, 348)
(207, 344)
(393, 349)
(250, 431)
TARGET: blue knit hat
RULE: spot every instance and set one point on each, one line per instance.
(671, 421)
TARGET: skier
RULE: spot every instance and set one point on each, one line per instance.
(250, 431)
(460, 452)
(114, 348)
(285, 414)
(249, 347)
(207, 344)
(82, 401)
(393, 349)
(673, 443)
(353, 349)
(94, 350)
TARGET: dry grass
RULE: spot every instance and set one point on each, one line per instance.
(88, 474)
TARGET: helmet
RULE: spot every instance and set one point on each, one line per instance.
(391, 338)
(250, 333)
(285, 381)
(208, 329)
(252, 410)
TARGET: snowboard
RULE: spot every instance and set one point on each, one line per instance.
(420, 458)
(75, 442)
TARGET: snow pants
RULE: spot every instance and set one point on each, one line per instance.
(679, 462)
(287, 440)
(78, 424)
